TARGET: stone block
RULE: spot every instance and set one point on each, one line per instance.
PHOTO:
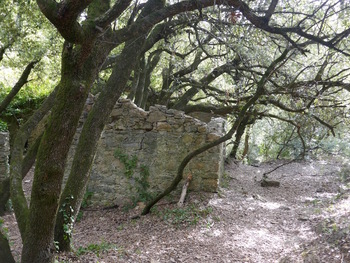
(156, 116)
(163, 126)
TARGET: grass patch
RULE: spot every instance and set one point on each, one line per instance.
(97, 249)
(183, 216)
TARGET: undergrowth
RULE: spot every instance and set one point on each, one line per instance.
(97, 249)
(183, 216)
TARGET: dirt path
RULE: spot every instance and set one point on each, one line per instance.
(306, 219)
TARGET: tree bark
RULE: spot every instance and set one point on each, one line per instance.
(238, 137)
(247, 120)
(5, 251)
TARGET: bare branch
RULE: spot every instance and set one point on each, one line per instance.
(325, 124)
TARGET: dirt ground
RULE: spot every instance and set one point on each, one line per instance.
(306, 219)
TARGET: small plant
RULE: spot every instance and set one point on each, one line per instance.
(3, 230)
(129, 163)
(67, 211)
(184, 216)
(142, 185)
(97, 249)
(3, 126)
(86, 199)
(315, 202)
(139, 182)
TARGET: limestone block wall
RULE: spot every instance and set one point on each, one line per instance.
(4, 154)
(139, 152)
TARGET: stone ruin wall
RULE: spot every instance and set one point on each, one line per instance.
(158, 139)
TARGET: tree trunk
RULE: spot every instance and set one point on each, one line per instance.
(77, 79)
(5, 251)
(246, 143)
(238, 137)
(239, 134)
(141, 83)
(17, 164)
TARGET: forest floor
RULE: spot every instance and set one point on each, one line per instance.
(306, 219)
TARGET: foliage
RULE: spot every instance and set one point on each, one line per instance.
(3, 126)
(183, 216)
(3, 230)
(142, 185)
(68, 217)
(97, 249)
(129, 163)
(27, 35)
(138, 182)
(26, 101)
(273, 139)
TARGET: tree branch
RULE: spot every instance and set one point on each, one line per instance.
(113, 13)
(325, 124)
(20, 83)
(271, 9)
(64, 17)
